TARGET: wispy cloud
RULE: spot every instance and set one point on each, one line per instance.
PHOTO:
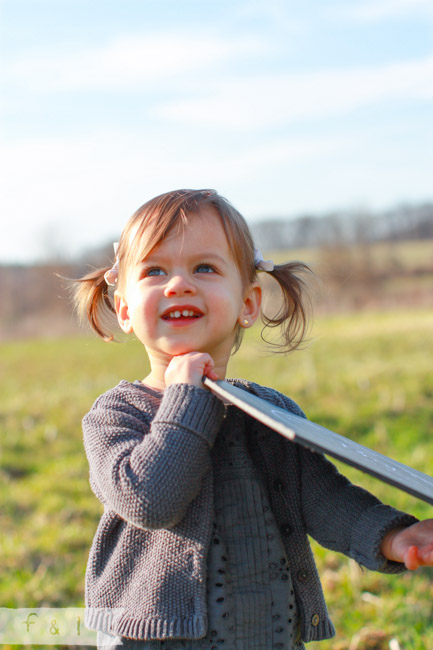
(378, 10)
(128, 61)
(274, 100)
(91, 184)
(278, 14)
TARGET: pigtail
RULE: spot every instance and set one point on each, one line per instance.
(295, 306)
(93, 303)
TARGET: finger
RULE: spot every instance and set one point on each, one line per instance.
(209, 372)
(425, 555)
(412, 560)
(209, 369)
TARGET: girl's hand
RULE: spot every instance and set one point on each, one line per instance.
(190, 368)
(412, 545)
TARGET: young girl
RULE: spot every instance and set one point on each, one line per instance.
(203, 541)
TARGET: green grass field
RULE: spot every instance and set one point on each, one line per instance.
(368, 376)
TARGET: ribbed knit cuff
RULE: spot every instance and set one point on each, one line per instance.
(369, 533)
(193, 408)
(117, 622)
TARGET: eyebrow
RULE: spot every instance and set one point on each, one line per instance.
(198, 257)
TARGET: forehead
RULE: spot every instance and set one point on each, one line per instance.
(200, 231)
(200, 228)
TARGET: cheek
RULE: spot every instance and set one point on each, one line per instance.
(146, 308)
(229, 302)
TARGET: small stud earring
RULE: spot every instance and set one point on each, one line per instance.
(246, 321)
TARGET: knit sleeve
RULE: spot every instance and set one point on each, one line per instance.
(346, 517)
(338, 514)
(149, 470)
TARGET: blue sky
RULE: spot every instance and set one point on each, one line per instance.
(284, 107)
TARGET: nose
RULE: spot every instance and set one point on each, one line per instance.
(179, 285)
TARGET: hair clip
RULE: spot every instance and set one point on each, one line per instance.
(110, 276)
(262, 264)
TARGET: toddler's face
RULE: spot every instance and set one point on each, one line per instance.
(187, 294)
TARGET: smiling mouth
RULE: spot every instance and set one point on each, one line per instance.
(177, 314)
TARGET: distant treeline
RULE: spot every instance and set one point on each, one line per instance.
(404, 222)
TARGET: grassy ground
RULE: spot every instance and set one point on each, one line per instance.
(368, 376)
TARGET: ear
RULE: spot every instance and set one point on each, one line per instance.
(122, 312)
(251, 306)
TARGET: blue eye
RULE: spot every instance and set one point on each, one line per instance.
(205, 268)
(155, 270)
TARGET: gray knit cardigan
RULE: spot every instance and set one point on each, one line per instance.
(150, 466)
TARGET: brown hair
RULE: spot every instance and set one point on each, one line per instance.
(151, 223)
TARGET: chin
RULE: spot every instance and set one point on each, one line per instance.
(177, 350)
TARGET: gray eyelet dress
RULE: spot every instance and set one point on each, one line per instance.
(251, 604)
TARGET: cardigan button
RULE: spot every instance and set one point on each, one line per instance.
(286, 529)
(278, 485)
(315, 620)
(303, 575)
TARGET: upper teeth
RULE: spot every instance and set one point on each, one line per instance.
(178, 314)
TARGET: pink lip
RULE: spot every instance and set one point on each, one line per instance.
(196, 311)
